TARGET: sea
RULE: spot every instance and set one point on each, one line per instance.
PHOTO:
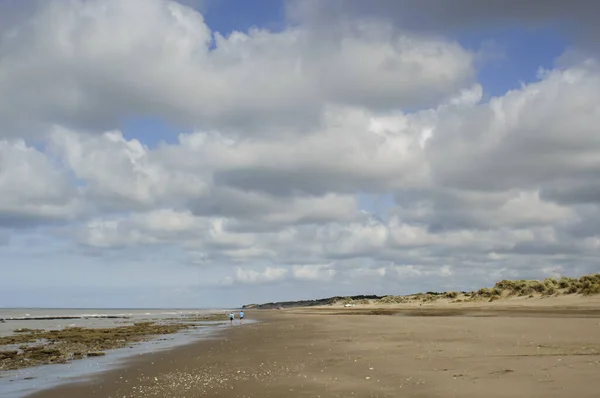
(22, 382)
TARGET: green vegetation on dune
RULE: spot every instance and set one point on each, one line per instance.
(585, 285)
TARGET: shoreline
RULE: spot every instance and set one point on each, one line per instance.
(147, 365)
(12, 319)
(27, 348)
(510, 352)
(56, 364)
(25, 381)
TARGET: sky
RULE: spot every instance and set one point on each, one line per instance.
(207, 153)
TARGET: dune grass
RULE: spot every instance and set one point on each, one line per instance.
(585, 286)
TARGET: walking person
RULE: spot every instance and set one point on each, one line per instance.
(241, 316)
(231, 316)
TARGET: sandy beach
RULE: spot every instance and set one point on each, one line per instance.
(532, 348)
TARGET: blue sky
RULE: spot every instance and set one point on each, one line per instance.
(193, 205)
(235, 15)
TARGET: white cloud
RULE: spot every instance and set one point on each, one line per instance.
(318, 272)
(122, 173)
(168, 220)
(267, 275)
(33, 187)
(355, 150)
(537, 136)
(88, 64)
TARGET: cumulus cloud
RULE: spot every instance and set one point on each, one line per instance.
(88, 64)
(251, 276)
(534, 136)
(446, 209)
(270, 211)
(122, 173)
(33, 187)
(356, 150)
(318, 272)
(284, 130)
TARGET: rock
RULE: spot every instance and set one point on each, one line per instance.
(8, 354)
(96, 354)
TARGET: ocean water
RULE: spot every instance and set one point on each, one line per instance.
(58, 318)
(19, 383)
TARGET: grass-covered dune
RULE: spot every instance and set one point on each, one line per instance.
(585, 285)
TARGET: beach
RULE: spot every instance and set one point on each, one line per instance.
(521, 348)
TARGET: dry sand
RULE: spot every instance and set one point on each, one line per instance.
(535, 348)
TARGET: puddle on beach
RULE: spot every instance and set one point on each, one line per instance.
(22, 382)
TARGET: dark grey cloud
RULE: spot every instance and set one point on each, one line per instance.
(573, 192)
(586, 224)
(13, 220)
(284, 183)
(14, 12)
(256, 207)
(443, 16)
(575, 20)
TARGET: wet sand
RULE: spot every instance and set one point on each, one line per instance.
(488, 351)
